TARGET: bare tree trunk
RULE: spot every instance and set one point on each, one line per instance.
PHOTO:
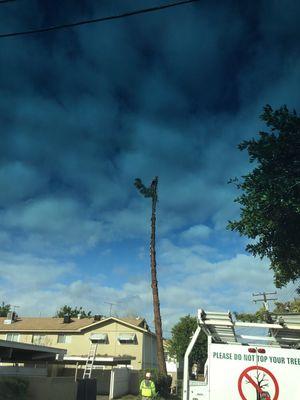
(156, 306)
(257, 395)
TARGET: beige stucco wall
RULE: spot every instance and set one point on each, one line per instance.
(25, 338)
(143, 352)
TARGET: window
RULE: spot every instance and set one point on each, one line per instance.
(38, 339)
(127, 338)
(13, 337)
(64, 339)
(99, 338)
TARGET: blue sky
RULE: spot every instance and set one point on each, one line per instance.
(85, 111)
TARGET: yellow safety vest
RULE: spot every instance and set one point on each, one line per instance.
(147, 390)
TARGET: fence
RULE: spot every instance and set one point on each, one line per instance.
(102, 376)
(51, 388)
(22, 371)
(47, 388)
(119, 383)
(86, 389)
(113, 383)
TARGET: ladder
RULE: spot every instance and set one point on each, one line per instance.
(90, 360)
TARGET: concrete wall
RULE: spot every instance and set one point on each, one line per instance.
(102, 377)
(22, 371)
(52, 388)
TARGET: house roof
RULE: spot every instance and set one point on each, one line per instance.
(32, 324)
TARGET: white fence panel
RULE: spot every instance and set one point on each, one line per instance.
(119, 383)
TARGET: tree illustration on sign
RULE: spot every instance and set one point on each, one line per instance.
(261, 385)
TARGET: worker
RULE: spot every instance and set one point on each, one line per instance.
(147, 387)
(194, 371)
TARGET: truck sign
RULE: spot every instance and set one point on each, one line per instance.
(259, 378)
(254, 375)
(245, 371)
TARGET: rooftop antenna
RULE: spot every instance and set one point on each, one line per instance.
(14, 307)
(111, 305)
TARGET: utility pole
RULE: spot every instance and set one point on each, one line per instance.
(111, 305)
(264, 299)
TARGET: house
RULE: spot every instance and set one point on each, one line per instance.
(122, 341)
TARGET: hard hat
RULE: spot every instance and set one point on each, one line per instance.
(148, 374)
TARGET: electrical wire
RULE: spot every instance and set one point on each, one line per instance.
(96, 20)
(7, 1)
(291, 293)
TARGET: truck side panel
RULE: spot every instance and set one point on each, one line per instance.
(238, 372)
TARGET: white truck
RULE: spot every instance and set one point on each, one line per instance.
(265, 365)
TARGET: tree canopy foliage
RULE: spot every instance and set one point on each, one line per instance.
(4, 309)
(292, 306)
(72, 312)
(262, 315)
(181, 336)
(146, 191)
(259, 316)
(270, 199)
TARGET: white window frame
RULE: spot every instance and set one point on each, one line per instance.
(127, 338)
(101, 338)
(66, 339)
(12, 339)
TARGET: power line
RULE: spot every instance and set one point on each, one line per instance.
(7, 1)
(96, 20)
(290, 293)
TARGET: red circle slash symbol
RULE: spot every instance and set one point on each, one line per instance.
(245, 374)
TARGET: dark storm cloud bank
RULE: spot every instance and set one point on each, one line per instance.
(85, 111)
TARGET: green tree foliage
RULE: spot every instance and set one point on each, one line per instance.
(290, 306)
(4, 309)
(149, 192)
(259, 316)
(262, 315)
(270, 202)
(72, 312)
(181, 337)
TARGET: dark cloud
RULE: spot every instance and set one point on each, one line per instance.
(85, 111)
